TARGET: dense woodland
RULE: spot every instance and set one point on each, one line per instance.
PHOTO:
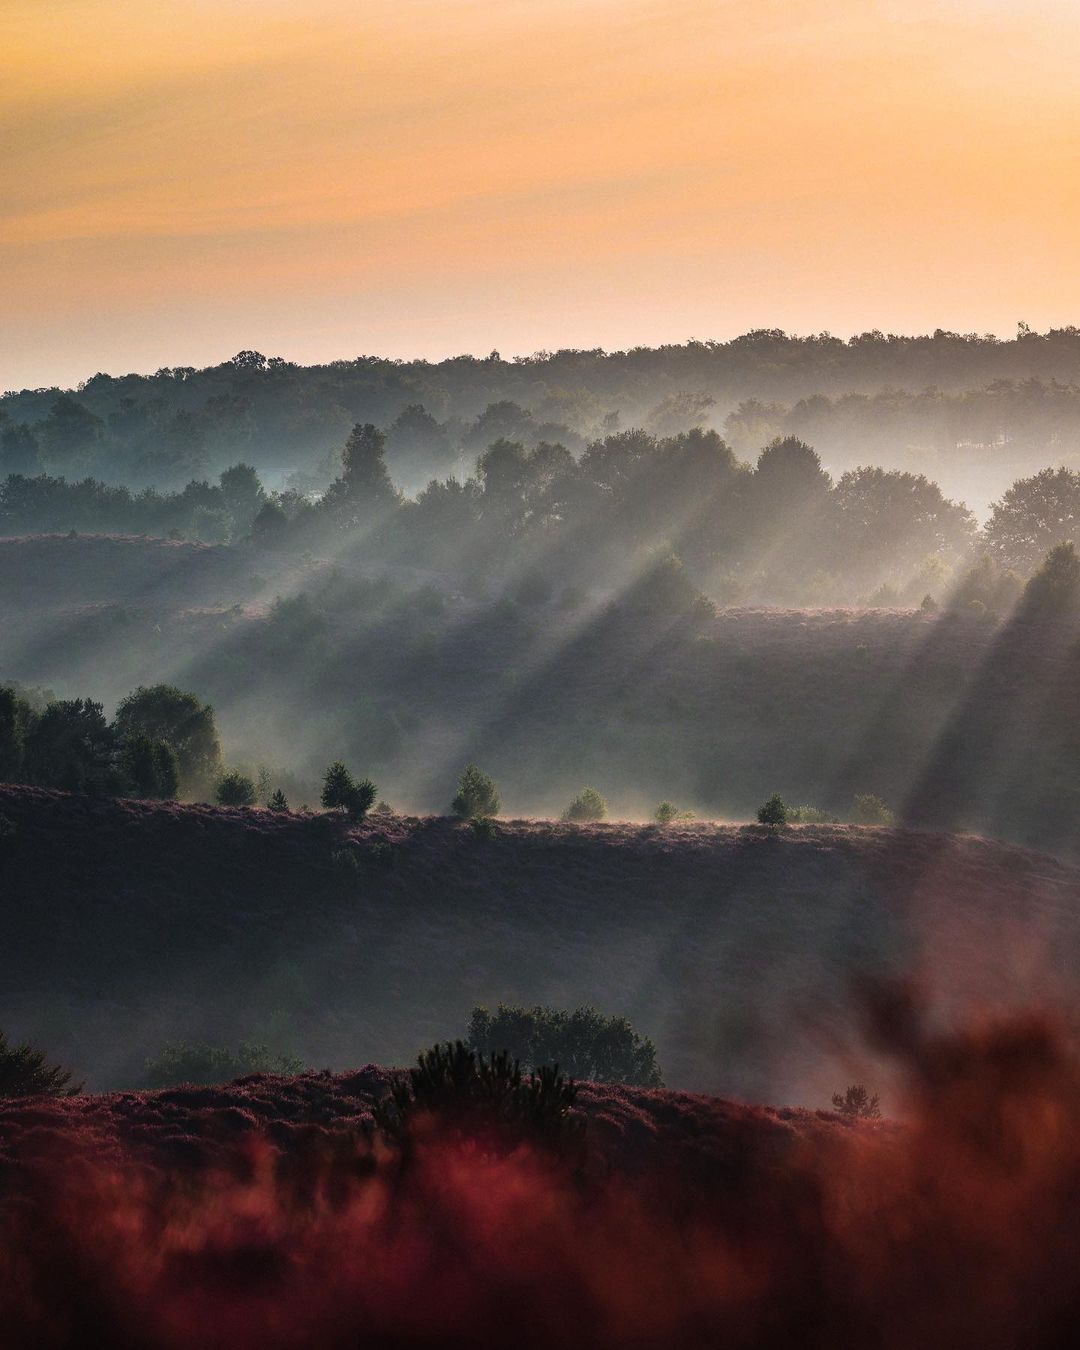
(945, 403)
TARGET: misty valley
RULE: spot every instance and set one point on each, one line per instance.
(670, 754)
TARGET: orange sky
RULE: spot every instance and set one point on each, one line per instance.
(421, 177)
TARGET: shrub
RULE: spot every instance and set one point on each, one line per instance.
(866, 809)
(773, 811)
(469, 1093)
(235, 789)
(483, 827)
(584, 1043)
(857, 1103)
(809, 815)
(278, 801)
(476, 795)
(669, 814)
(587, 805)
(205, 1065)
(341, 792)
(24, 1072)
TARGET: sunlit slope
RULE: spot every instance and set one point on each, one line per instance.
(129, 923)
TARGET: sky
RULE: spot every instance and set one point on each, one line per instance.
(330, 178)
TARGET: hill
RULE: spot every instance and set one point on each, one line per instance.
(129, 923)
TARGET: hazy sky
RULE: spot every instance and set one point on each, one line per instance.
(421, 177)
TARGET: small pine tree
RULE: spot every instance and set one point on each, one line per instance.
(588, 805)
(857, 1103)
(665, 813)
(476, 795)
(278, 801)
(341, 792)
(24, 1072)
(235, 789)
(338, 787)
(773, 811)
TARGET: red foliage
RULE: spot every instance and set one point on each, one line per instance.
(696, 1222)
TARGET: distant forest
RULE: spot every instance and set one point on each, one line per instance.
(942, 404)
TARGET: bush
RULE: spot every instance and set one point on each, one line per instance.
(587, 805)
(809, 815)
(204, 1065)
(469, 1093)
(857, 1104)
(773, 811)
(341, 792)
(867, 809)
(584, 1043)
(235, 789)
(669, 814)
(278, 801)
(24, 1072)
(476, 795)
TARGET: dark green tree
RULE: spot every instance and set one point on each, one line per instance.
(11, 737)
(149, 767)
(71, 746)
(164, 713)
(476, 795)
(583, 1043)
(25, 1072)
(235, 789)
(278, 801)
(342, 792)
(588, 805)
(773, 811)
(204, 1065)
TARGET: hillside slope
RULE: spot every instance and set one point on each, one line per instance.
(130, 923)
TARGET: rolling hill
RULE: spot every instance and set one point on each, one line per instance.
(131, 923)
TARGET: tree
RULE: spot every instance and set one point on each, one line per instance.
(164, 713)
(270, 526)
(149, 767)
(866, 809)
(665, 813)
(773, 811)
(235, 789)
(476, 797)
(25, 1072)
(1033, 516)
(278, 801)
(857, 1104)
(1055, 587)
(341, 792)
(71, 435)
(203, 1065)
(587, 805)
(19, 451)
(71, 746)
(11, 737)
(583, 1043)
(243, 495)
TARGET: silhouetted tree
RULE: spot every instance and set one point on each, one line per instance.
(164, 713)
(149, 767)
(341, 792)
(1033, 516)
(583, 1043)
(25, 1072)
(235, 789)
(477, 797)
(71, 746)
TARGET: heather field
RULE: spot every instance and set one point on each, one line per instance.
(134, 923)
(266, 1214)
